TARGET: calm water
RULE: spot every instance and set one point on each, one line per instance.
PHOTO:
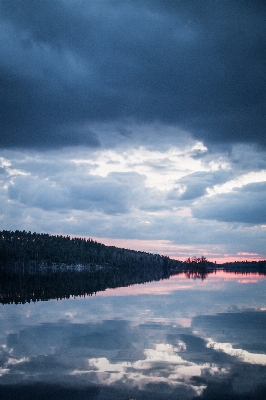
(173, 339)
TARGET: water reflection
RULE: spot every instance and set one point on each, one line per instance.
(20, 285)
(177, 338)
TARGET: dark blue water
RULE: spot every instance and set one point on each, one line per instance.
(173, 339)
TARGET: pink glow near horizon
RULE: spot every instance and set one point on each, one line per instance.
(178, 252)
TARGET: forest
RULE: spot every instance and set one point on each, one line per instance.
(35, 251)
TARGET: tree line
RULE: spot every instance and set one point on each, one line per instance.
(40, 250)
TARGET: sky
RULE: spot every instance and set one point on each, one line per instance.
(136, 123)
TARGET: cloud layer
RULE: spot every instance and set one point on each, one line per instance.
(66, 65)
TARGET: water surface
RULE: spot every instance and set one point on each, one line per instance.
(177, 338)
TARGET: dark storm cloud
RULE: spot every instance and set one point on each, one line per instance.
(245, 205)
(196, 65)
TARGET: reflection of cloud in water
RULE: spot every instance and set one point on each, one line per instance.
(243, 355)
(151, 347)
(112, 353)
(184, 322)
(240, 334)
(162, 364)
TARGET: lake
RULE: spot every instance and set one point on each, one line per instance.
(177, 338)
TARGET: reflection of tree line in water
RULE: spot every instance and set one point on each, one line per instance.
(42, 267)
(25, 287)
(58, 284)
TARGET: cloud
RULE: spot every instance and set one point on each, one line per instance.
(194, 185)
(244, 205)
(69, 65)
(114, 194)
